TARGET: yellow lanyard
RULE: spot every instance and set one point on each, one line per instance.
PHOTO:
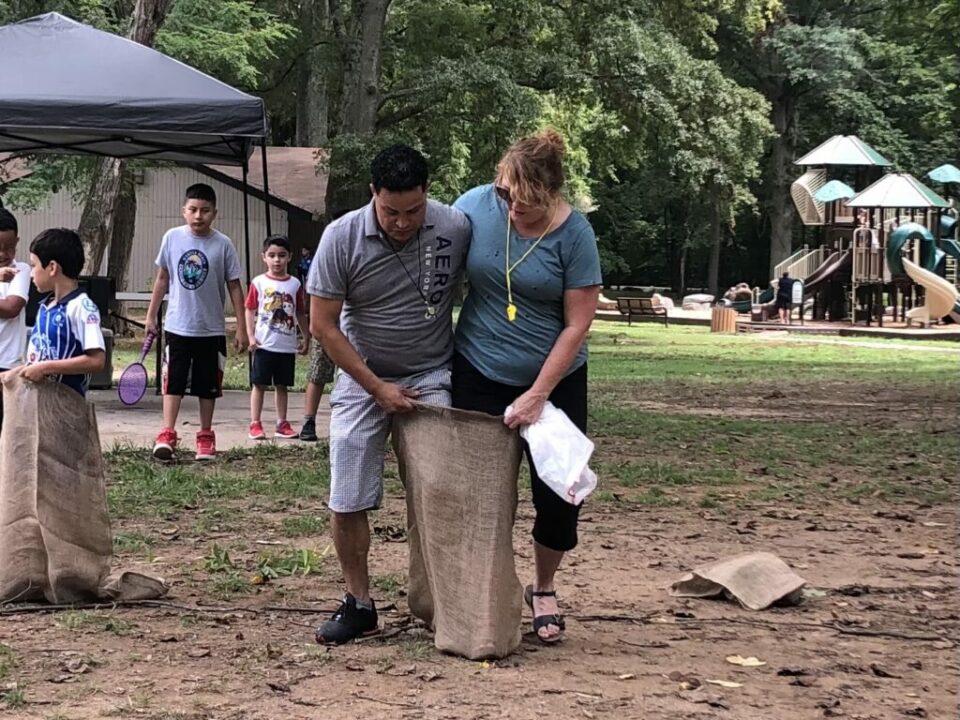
(511, 308)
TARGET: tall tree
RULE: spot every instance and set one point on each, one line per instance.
(103, 198)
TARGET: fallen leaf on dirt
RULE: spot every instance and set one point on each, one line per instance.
(911, 556)
(77, 666)
(724, 683)
(430, 676)
(170, 533)
(803, 682)
(914, 712)
(608, 546)
(916, 665)
(354, 665)
(703, 698)
(198, 652)
(627, 676)
(792, 672)
(400, 671)
(879, 671)
(168, 639)
(809, 592)
(891, 515)
(390, 533)
(58, 679)
(943, 644)
(272, 652)
(932, 524)
(278, 687)
(745, 661)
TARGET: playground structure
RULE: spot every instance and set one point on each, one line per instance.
(893, 243)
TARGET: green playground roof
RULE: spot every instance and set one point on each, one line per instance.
(843, 150)
(898, 190)
(945, 174)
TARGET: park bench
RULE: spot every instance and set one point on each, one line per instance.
(640, 307)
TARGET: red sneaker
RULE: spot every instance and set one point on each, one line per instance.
(206, 445)
(165, 444)
(285, 431)
(256, 431)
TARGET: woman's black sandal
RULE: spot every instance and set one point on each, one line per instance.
(542, 621)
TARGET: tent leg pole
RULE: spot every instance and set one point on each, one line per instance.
(266, 184)
(246, 223)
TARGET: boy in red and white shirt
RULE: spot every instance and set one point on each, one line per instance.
(276, 307)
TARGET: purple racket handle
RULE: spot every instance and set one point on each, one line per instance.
(147, 344)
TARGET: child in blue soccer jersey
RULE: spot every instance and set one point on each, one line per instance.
(66, 343)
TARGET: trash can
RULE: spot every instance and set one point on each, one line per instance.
(723, 320)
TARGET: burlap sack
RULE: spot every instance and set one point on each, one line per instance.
(756, 579)
(460, 472)
(55, 539)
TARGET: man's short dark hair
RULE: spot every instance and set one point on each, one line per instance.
(399, 168)
(60, 245)
(278, 240)
(785, 274)
(8, 223)
(201, 191)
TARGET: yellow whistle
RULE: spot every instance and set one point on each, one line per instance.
(511, 312)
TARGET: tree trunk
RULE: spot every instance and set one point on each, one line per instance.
(781, 173)
(313, 96)
(362, 66)
(362, 45)
(716, 231)
(121, 245)
(96, 221)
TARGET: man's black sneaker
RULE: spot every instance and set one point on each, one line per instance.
(348, 623)
(309, 430)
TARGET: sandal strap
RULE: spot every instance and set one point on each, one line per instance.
(543, 593)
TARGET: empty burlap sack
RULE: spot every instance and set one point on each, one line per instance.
(55, 540)
(756, 579)
(460, 472)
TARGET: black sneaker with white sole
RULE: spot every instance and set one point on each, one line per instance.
(308, 431)
(349, 622)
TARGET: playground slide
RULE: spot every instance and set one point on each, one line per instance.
(951, 247)
(941, 297)
(834, 262)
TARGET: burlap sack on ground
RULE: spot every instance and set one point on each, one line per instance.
(55, 539)
(756, 579)
(460, 473)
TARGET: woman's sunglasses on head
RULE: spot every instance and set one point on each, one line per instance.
(504, 194)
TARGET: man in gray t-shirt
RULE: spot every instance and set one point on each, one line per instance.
(382, 286)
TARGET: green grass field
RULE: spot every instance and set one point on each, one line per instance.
(679, 416)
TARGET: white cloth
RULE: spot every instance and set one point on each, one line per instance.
(560, 453)
(199, 268)
(13, 331)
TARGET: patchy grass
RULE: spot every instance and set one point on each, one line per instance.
(89, 621)
(301, 525)
(389, 584)
(139, 487)
(8, 661)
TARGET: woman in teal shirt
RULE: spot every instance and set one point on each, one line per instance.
(534, 273)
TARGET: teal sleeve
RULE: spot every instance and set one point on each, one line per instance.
(582, 265)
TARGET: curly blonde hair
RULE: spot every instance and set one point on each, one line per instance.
(533, 168)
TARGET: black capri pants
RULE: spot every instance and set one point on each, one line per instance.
(555, 526)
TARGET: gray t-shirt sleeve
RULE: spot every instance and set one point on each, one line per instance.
(328, 271)
(231, 263)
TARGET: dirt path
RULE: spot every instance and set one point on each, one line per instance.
(876, 638)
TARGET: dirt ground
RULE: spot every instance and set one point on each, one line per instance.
(876, 638)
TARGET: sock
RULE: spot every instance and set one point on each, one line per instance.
(365, 604)
(308, 418)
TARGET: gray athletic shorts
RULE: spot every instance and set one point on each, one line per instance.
(358, 437)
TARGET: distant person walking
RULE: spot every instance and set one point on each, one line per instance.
(785, 298)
